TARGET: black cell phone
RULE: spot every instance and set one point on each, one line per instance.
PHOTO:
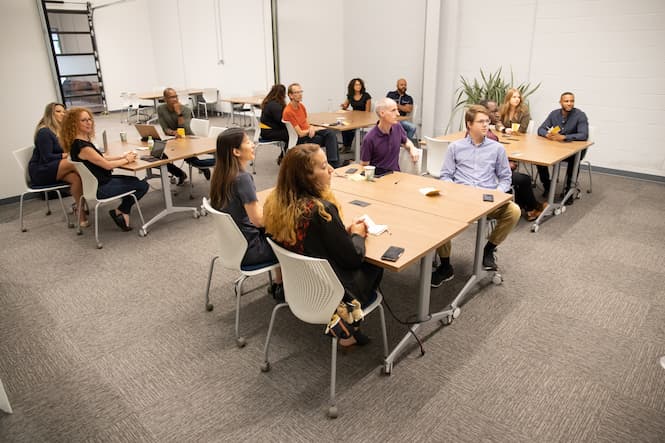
(360, 203)
(351, 171)
(393, 253)
(488, 198)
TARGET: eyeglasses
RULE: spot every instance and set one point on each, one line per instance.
(297, 92)
(171, 96)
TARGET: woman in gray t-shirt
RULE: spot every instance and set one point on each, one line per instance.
(232, 191)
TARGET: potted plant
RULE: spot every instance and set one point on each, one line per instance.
(492, 87)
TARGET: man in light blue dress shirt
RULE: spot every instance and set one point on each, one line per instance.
(479, 162)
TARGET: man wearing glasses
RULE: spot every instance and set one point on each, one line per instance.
(173, 115)
(296, 114)
(478, 161)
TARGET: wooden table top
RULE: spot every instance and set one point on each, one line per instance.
(416, 232)
(531, 148)
(159, 94)
(457, 202)
(176, 149)
(352, 119)
(254, 100)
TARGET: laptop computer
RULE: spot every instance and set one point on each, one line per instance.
(146, 131)
(157, 152)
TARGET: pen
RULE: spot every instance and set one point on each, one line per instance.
(396, 181)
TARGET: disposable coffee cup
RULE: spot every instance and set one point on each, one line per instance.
(369, 172)
(123, 137)
(515, 127)
(181, 132)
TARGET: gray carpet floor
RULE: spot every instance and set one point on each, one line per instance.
(115, 344)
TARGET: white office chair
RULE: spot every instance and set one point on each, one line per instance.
(134, 109)
(215, 131)
(231, 247)
(313, 292)
(23, 157)
(258, 142)
(90, 186)
(293, 135)
(531, 128)
(4, 401)
(200, 127)
(407, 165)
(436, 153)
(210, 96)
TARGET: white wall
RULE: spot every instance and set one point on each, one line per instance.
(610, 54)
(311, 50)
(382, 42)
(27, 85)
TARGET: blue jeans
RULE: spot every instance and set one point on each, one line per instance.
(201, 162)
(410, 129)
(119, 184)
(327, 139)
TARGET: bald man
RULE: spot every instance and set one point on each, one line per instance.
(405, 107)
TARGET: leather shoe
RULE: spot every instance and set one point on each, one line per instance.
(206, 173)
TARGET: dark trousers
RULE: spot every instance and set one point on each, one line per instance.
(201, 163)
(347, 137)
(524, 192)
(281, 135)
(544, 172)
(327, 140)
(119, 184)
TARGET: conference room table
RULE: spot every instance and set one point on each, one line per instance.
(176, 149)
(350, 121)
(401, 194)
(537, 150)
(417, 232)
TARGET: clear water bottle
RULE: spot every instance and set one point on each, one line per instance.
(151, 142)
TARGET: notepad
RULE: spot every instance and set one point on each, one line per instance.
(372, 227)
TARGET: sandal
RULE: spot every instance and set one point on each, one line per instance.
(119, 220)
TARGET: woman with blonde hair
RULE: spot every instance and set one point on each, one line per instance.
(232, 190)
(48, 164)
(513, 110)
(303, 215)
(76, 134)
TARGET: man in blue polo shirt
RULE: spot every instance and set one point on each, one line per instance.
(481, 162)
(405, 106)
(381, 146)
(573, 125)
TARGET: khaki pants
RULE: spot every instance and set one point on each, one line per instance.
(506, 217)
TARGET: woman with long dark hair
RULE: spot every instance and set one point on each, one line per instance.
(271, 124)
(232, 191)
(359, 99)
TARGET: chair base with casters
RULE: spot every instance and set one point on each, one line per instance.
(312, 292)
(22, 157)
(104, 201)
(232, 247)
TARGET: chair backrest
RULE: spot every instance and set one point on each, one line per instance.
(592, 133)
(23, 157)
(215, 131)
(531, 128)
(436, 153)
(200, 127)
(311, 288)
(293, 135)
(210, 95)
(88, 180)
(407, 165)
(231, 244)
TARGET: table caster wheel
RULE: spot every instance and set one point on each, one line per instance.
(557, 211)
(447, 320)
(265, 366)
(332, 412)
(563, 209)
(456, 312)
(196, 214)
(202, 211)
(209, 307)
(240, 342)
(534, 227)
(387, 369)
(497, 279)
(142, 232)
(100, 246)
(173, 180)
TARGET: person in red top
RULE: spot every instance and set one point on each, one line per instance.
(296, 114)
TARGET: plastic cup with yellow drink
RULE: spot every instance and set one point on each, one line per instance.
(181, 132)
